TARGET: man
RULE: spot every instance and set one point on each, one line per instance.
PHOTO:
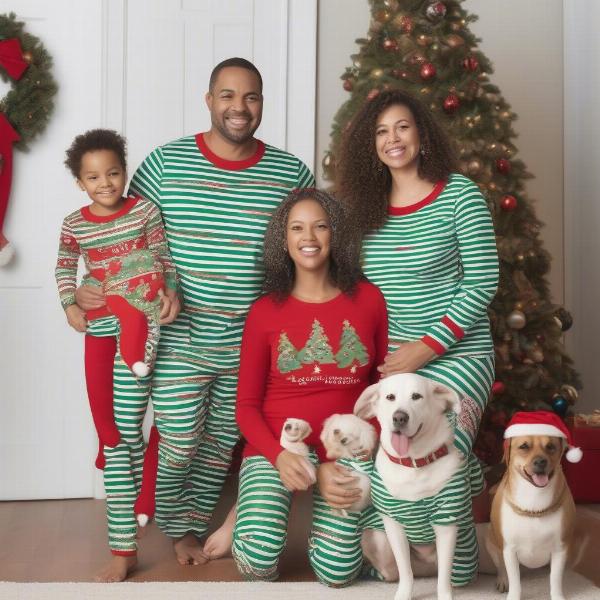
(216, 191)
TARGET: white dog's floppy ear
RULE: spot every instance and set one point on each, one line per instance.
(450, 398)
(365, 405)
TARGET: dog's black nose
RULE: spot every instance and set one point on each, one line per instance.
(539, 464)
(400, 418)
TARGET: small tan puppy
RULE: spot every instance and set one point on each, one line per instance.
(348, 436)
(533, 513)
(293, 432)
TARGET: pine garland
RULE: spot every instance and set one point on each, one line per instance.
(29, 104)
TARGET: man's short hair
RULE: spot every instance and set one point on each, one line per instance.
(233, 62)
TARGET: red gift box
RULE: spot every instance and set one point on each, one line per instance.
(583, 477)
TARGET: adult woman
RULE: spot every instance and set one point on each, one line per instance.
(428, 243)
(310, 346)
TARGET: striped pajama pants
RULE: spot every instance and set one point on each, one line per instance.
(259, 537)
(124, 462)
(193, 396)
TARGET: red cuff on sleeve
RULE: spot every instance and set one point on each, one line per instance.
(433, 344)
(454, 328)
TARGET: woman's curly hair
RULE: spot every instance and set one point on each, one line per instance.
(344, 265)
(362, 182)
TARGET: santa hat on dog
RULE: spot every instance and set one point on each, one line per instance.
(542, 422)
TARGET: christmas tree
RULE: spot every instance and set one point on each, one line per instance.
(425, 48)
(352, 349)
(317, 348)
(287, 358)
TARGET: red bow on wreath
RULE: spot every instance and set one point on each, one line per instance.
(11, 58)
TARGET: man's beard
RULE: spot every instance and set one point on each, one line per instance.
(236, 137)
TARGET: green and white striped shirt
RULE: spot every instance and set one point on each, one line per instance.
(215, 213)
(437, 266)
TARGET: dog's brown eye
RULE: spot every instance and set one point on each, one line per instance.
(524, 446)
(416, 396)
(336, 432)
(390, 397)
(551, 447)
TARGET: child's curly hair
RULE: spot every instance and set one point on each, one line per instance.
(344, 258)
(363, 183)
(90, 141)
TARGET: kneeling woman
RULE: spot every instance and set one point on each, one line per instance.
(310, 346)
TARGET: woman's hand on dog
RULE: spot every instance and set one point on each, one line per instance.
(408, 358)
(292, 471)
(337, 485)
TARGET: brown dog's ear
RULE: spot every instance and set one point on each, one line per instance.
(447, 395)
(365, 405)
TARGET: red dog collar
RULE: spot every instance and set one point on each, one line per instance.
(415, 463)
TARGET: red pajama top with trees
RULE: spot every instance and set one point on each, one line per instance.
(307, 361)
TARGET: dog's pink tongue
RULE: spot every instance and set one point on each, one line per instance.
(541, 480)
(400, 443)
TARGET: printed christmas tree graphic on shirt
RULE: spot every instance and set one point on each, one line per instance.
(287, 358)
(352, 350)
(317, 348)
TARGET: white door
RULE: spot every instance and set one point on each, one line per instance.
(142, 67)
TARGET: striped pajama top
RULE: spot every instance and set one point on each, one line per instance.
(451, 505)
(437, 266)
(215, 213)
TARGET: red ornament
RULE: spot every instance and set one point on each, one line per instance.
(406, 24)
(428, 71)
(470, 63)
(498, 388)
(503, 166)
(373, 94)
(508, 203)
(436, 11)
(348, 85)
(390, 45)
(451, 103)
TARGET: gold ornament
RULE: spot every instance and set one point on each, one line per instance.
(376, 73)
(474, 166)
(505, 115)
(570, 393)
(391, 4)
(425, 91)
(424, 40)
(27, 57)
(454, 41)
(383, 16)
(516, 320)
(518, 306)
(492, 186)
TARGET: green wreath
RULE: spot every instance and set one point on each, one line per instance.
(29, 104)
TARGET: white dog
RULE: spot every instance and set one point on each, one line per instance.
(292, 434)
(348, 436)
(416, 458)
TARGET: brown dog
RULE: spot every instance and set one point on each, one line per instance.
(533, 513)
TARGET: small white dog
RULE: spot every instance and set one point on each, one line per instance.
(348, 436)
(415, 460)
(293, 432)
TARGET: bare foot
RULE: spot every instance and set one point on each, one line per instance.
(219, 543)
(188, 550)
(117, 569)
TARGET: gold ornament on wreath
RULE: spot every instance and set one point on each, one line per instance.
(26, 108)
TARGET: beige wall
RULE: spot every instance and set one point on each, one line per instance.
(524, 41)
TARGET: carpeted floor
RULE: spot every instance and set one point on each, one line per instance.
(535, 586)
